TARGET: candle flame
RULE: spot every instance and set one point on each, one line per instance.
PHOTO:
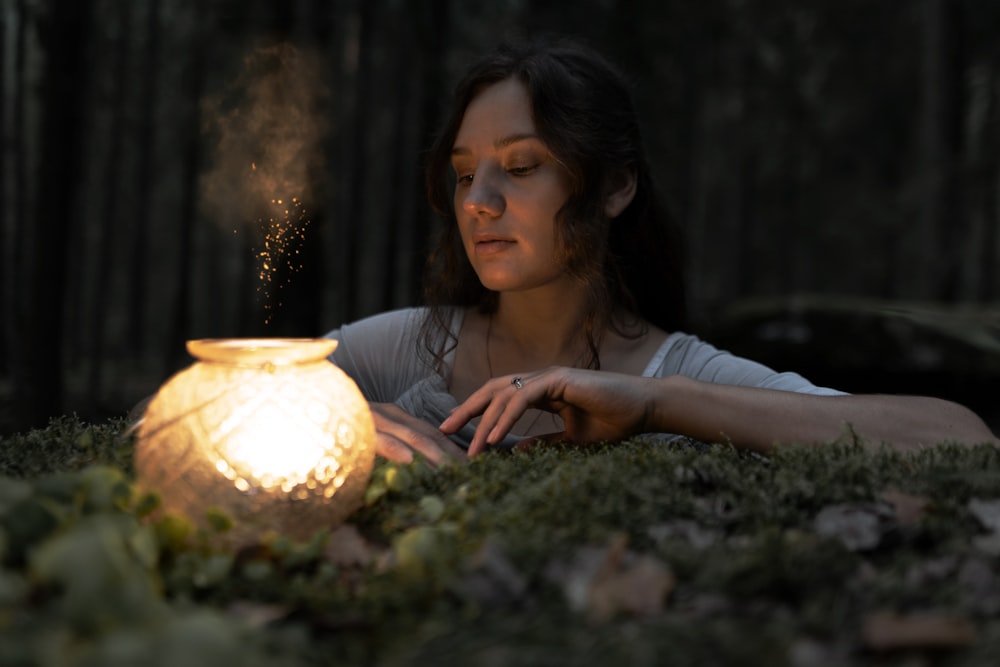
(272, 456)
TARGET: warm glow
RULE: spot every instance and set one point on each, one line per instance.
(266, 429)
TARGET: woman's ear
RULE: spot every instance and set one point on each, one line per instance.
(622, 194)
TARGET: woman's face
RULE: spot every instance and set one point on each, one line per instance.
(509, 189)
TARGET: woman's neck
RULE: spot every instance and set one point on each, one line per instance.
(538, 329)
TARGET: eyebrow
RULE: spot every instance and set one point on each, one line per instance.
(502, 142)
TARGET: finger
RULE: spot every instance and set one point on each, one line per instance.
(392, 449)
(500, 418)
(416, 435)
(493, 425)
(507, 407)
(433, 446)
(472, 407)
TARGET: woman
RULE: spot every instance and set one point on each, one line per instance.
(555, 298)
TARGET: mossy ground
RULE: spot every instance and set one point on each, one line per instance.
(637, 553)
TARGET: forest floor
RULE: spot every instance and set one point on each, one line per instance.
(637, 553)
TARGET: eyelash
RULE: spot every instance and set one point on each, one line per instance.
(516, 171)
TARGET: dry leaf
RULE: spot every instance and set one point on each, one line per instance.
(988, 513)
(691, 531)
(491, 578)
(980, 585)
(929, 571)
(858, 525)
(908, 507)
(256, 614)
(605, 581)
(576, 576)
(885, 631)
(346, 547)
(639, 589)
(805, 652)
(988, 544)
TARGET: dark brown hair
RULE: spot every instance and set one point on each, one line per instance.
(584, 114)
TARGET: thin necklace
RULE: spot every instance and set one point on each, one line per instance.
(489, 367)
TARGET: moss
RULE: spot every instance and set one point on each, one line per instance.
(485, 562)
(66, 443)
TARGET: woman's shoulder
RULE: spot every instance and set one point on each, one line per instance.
(397, 324)
(683, 353)
(686, 354)
(400, 317)
(390, 320)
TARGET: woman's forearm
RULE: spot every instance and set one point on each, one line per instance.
(761, 419)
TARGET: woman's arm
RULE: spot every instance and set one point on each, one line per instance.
(763, 418)
(598, 405)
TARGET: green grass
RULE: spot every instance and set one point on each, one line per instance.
(528, 558)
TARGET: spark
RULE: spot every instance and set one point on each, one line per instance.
(283, 236)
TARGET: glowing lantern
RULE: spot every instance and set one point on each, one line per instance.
(267, 431)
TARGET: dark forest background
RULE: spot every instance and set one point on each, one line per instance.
(834, 166)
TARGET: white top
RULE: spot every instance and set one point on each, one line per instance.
(384, 356)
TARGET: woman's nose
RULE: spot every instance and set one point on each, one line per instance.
(484, 196)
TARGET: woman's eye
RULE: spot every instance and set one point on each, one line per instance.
(522, 171)
(464, 179)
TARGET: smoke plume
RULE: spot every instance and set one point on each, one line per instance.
(267, 129)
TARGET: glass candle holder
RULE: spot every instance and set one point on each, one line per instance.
(266, 431)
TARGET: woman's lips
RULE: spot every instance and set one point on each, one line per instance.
(492, 246)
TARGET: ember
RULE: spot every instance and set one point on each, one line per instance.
(283, 235)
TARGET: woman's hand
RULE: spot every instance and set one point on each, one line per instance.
(594, 405)
(399, 434)
(599, 405)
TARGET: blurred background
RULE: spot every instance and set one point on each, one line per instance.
(177, 169)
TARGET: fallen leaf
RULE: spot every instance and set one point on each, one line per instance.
(885, 631)
(927, 572)
(256, 614)
(981, 587)
(638, 589)
(807, 652)
(987, 512)
(602, 582)
(858, 525)
(490, 577)
(988, 544)
(346, 547)
(692, 532)
(908, 507)
(576, 575)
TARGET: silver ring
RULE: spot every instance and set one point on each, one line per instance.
(517, 382)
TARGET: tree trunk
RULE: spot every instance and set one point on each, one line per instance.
(13, 224)
(355, 169)
(988, 288)
(8, 91)
(139, 252)
(109, 220)
(434, 40)
(38, 340)
(934, 265)
(181, 321)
